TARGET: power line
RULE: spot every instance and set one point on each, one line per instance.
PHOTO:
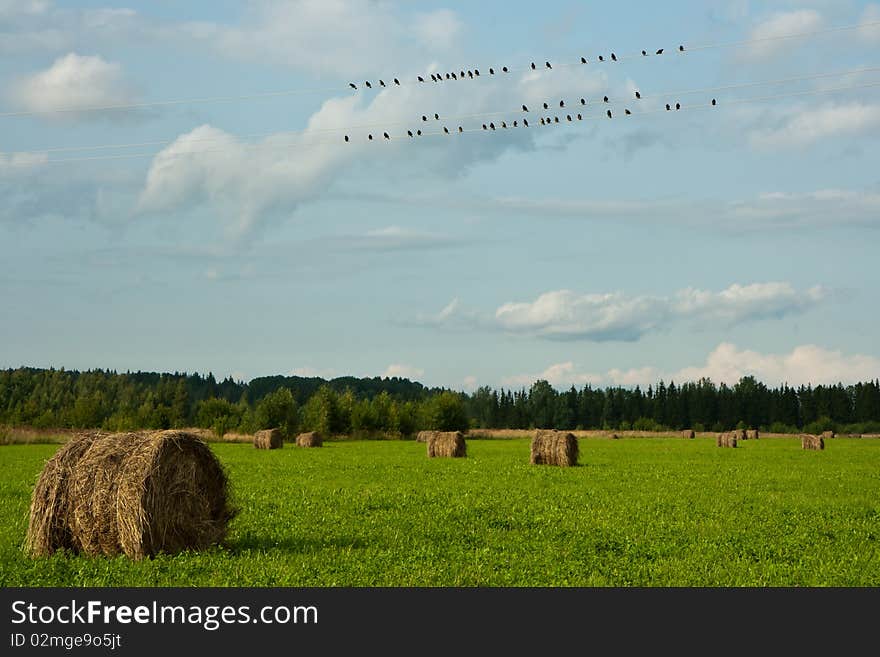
(666, 94)
(562, 63)
(439, 133)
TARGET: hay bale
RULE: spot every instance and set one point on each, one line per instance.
(311, 439)
(424, 436)
(740, 434)
(816, 443)
(447, 444)
(752, 434)
(728, 439)
(613, 436)
(136, 494)
(555, 448)
(688, 434)
(829, 435)
(269, 439)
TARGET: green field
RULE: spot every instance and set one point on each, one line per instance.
(651, 512)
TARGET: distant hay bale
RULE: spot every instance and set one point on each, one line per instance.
(136, 494)
(728, 439)
(811, 442)
(555, 448)
(447, 444)
(829, 435)
(311, 439)
(689, 434)
(269, 439)
(613, 436)
(424, 436)
(752, 434)
(740, 434)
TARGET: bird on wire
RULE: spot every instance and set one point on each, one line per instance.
(714, 102)
(504, 69)
(424, 118)
(447, 76)
(542, 120)
(471, 75)
(477, 72)
(454, 77)
(346, 139)
(525, 109)
(644, 53)
(515, 124)
(421, 79)
(386, 135)
(681, 49)
(504, 125)
(613, 57)
(678, 106)
(370, 137)
(638, 95)
(436, 117)
(555, 119)
(668, 107)
(381, 83)
(352, 85)
(583, 60)
(569, 118)
(491, 71)
(583, 101)
(580, 117)
(546, 106)
(433, 78)
(547, 64)
(562, 103)
(533, 66)
(628, 113)
(419, 133)
(409, 132)
(605, 99)
(601, 58)
(492, 125)
(397, 82)
(660, 52)
(526, 122)
(460, 130)
(369, 86)
(446, 130)
(609, 114)
(485, 127)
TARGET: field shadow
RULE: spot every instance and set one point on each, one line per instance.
(293, 544)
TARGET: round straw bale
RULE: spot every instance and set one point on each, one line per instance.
(554, 448)
(828, 435)
(689, 434)
(311, 439)
(269, 439)
(447, 444)
(136, 494)
(424, 436)
(753, 434)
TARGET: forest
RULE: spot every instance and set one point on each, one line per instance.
(371, 407)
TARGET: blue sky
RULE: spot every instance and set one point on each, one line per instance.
(249, 239)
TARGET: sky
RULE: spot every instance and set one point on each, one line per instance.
(224, 225)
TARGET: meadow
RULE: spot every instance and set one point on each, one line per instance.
(636, 512)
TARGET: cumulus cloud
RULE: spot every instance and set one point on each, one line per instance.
(782, 24)
(727, 363)
(438, 29)
(403, 372)
(73, 83)
(810, 125)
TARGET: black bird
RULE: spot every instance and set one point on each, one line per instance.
(492, 125)
(580, 118)
(515, 124)
(555, 119)
(382, 82)
(491, 71)
(436, 117)
(397, 82)
(447, 76)
(477, 72)
(601, 58)
(446, 130)
(370, 137)
(369, 86)
(660, 52)
(562, 103)
(668, 107)
(546, 106)
(609, 114)
(714, 102)
(409, 132)
(644, 53)
(547, 64)
(504, 69)
(471, 75)
(485, 127)
(583, 60)
(542, 120)
(460, 129)
(462, 74)
(346, 138)
(613, 57)
(569, 118)
(386, 135)
(526, 122)
(583, 101)
(605, 99)
(638, 95)
(455, 78)
(504, 125)
(628, 113)
(433, 78)
(352, 85)
(678, 106)
(681, 49)
(421, 79)
(525, 109)
(424, 118)
(533, 66)
(418, 133)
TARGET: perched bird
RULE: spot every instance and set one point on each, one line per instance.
(504, 125)
(526, 122)
(628, 113)
(370, 137)
(436, 117)
(461, 74)
(492, 125)
(515, 124)
(424, 118)
(609, 114)
(533, 66)
(525, 109)
(455, 78)
(447, 76)
(601, 58)
(644, 53)
(491, 71)
(660, 52)
(562, 103)
(418, 133)
(668, 107)
(681, 49)
(542, 120)
(485, 127)
(583, 101)
(352, 85)
(547, 64)
(471, 75)
(433, 78)
(546, 106)
(583, 60)
(555, 119)
(569, 118)
(460, 129)
(580, 117)
(397, 82)
(504, 69)
(382, 83)
(605, 99)
(613, 57)
(638, 95)
(477, 72)
(369, 86)
(421, 79)
(446, 130)
(678, 106)
(714, 102)
(409, 132)
(346, 138)
(386, 135)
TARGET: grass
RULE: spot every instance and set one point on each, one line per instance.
(654, 512)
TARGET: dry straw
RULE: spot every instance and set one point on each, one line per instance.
(269, 439)
(424, 436)
(689, 434)
(728, 439)
(811, 442)
(311, 439)
(554, 448)
(753, 434)
(829, 435)
(450, 444)
(136, 494)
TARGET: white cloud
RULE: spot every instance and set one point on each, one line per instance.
(74, 82)
(806, 364)
(470, 383)
(870, 22)
(438, 29)
(808, 126)
(10, 8)
(313, 372)
(403, 372)
(779, 25)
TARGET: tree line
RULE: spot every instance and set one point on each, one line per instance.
(58, 398)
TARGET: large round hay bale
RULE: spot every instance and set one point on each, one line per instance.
(310, 439)
(136, 494)
(554, 448)
(424, 436)
(269, 439)
(728, 439)
(688, 434)
(447, 444)
(810, 442)
(828, 435)
(752, 434)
